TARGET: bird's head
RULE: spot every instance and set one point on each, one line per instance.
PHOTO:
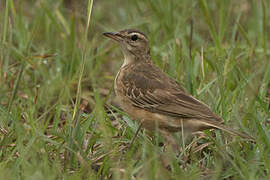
(133, 43)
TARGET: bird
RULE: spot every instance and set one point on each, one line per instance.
(155, 100)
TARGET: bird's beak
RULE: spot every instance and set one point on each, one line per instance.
(115, 36)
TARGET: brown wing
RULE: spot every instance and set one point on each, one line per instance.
(149, 88)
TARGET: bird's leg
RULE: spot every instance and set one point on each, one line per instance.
(171, 144)
(170, 141)
(135, 135)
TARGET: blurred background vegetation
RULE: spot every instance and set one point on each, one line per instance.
(56, 80)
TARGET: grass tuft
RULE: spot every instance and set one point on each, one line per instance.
(56, 88)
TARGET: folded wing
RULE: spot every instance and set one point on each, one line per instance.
(154, 91)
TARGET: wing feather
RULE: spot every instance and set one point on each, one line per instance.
(149, 88)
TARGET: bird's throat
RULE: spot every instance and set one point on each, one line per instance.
(128, 58)
(131, 57)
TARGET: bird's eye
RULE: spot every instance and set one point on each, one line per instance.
(134, 37)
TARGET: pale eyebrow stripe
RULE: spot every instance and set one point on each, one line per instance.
(135, 31)
(138, 34)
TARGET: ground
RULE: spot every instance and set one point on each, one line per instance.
(58, 115)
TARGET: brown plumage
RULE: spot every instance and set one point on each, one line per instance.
(151, 97)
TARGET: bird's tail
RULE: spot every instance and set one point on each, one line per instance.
(229, 130)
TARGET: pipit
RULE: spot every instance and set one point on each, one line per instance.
(154, 99)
